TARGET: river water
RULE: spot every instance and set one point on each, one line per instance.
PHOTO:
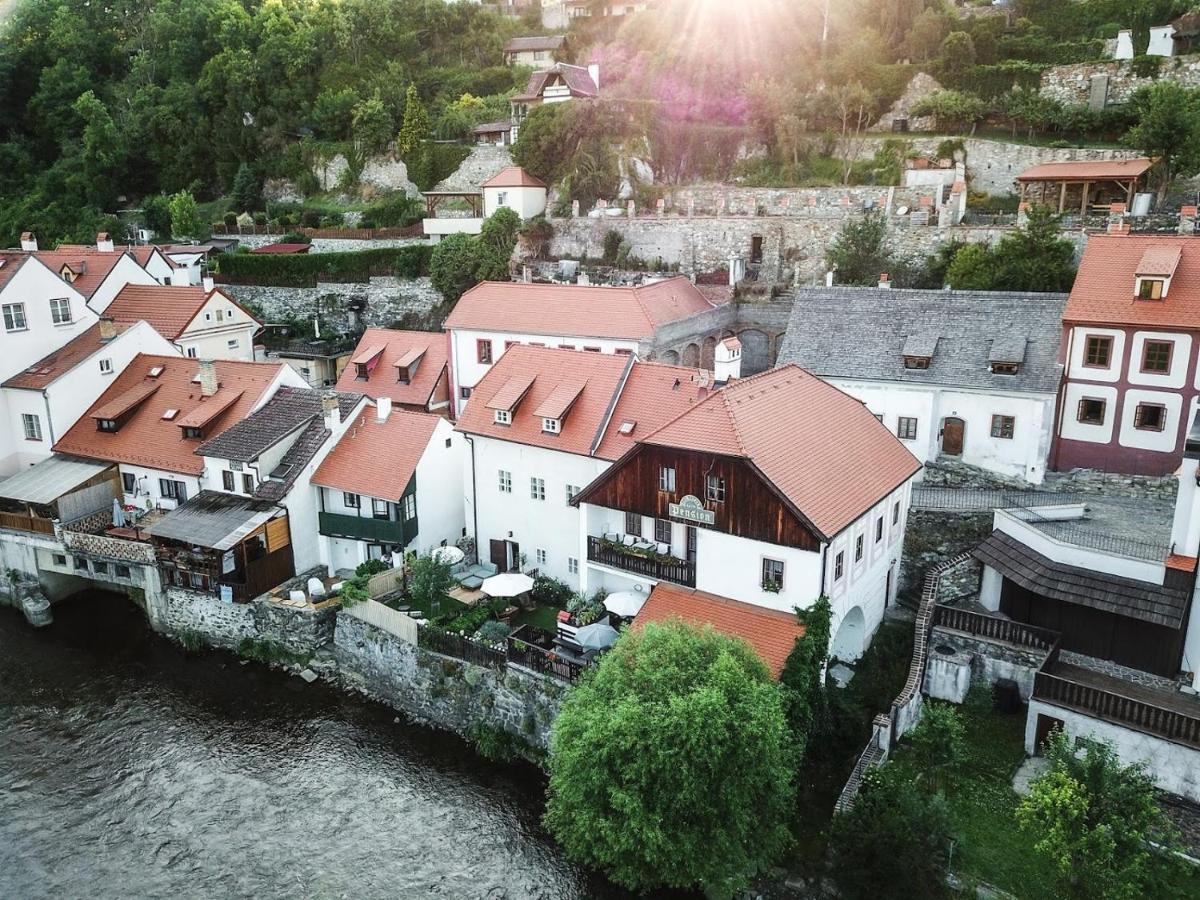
(129, 768)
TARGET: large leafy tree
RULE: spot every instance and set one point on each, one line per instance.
(1096, 821)
(672, 764)
(861, 253)
(1167, 129)
(1035, 257)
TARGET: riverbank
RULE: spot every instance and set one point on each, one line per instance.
(131, 768)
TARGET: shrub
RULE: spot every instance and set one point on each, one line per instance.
(612, 245)
(229, 220)
(371, 567)
(305, 269)
(493, 631)
(428, 578)
(310, 218)
(395, 210)
(551, 592)
(295, 237)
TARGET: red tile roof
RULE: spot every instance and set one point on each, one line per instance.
(1159, 260)
(821, 448)
(168, 309)
(513, 176)
(54, 365)
(398, 346)
(649, 395)
(571, 310)
(1104, 289)
(281, 248)
(770, 633)
(1098, 170)
(577, 79)
(378, 459)
(91, 267)
(146, 438)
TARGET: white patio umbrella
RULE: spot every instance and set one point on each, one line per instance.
(118, 513)
(600, 636)
(625, 604)
(510, 584)
(449, 555)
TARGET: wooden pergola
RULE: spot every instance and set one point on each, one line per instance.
(1084, 185)
(433, 199)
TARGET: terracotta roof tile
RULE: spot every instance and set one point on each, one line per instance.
(203, 414)
(146, 438)
(560, 400)
(167, 308)
(123, 402)
(53, 366)
(91, 267)
(378, 459)
(513, 176)
(512, 392)
(653, 395)
(770, 633)
(562, 309)
(10, 262)
(1097, 170)
(1104, 289)
(820, 447)
(1159, 260)
(282, 249)
(433, 348)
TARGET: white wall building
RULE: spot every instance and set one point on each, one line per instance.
(201, 322)
(1162, 42)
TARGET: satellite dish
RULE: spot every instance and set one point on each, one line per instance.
(902, 211)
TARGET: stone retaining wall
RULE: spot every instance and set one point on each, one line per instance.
(330, 245)
(994, 660)
(933, 537)
(1073, 84)
(226, 625)
(386, 299)
(445, 692)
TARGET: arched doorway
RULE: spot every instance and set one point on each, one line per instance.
(691, 356)
(848, 641)
(954, 432)
(708, 351)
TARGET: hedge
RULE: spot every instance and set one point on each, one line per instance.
(306, 269)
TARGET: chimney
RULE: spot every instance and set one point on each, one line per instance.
(207, 376)
(108, 329)
(179, 277)
(594, 71)
(727, 360)
(28, 242)
(331, 410)
(207, 283)
(1187, 219)
(383, 408)
(104, 243)
(885, 282)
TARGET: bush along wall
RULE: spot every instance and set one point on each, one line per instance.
(306, 270)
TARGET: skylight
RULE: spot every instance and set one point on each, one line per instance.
(627, 427)
(170, 414)
(156, 371)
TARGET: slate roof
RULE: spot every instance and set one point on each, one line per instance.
(577, 79)
(819, 447)
(213, 519)
(1141, 600)
(770, 633)
(289, 410)
(1103, 293)
(863, 333)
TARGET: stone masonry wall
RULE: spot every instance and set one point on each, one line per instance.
(387, 300)
(993, 660)
(933, 537)
(445, 692)
(226, 625)
(1072, 84)
(330, 245)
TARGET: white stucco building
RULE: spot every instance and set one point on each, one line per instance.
(970, 375)
(200, 322)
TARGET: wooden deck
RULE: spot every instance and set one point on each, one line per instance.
(466, 596)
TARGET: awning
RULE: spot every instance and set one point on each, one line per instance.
(50, 479)
(1141, 600)
(214, 520)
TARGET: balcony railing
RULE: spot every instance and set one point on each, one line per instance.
(994, 628)
(678, 572)
(19, 522)
(384, 531)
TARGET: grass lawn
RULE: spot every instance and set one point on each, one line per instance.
(990, 846)
(544, 617)
(448, 605)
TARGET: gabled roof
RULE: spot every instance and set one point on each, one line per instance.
(378, 459)
(594, 393)
(91, 267)
(10, 262)
(771, 633)
(1096, 170)
(290, 409)
(493, 127)
(535, 42)
(146, 438)
(577, 79)
(205, 413)
(1159, 259)
(1104, 289)
(168, 309)
(862, 333)
(397, 347)
(513, 176)
(820, 448)
(53, 366)
(632, 313)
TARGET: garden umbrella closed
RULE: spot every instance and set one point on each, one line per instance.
(510, 584)
(600, 636)
(118, 513)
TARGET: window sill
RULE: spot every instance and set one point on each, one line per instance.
(16, 330)
(33, 440)
(62, 324)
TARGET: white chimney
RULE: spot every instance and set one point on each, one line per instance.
(28, 242)
(885, 282)
(594, 71)
(383, 408)
(1185, 528)
(727, 360)
(829, 278)
(104, 243)
(207, 283)
(179, 277)
(207, 376)
(332, 411)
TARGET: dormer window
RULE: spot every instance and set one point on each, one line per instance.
(1151, 288)
(502, 416)
(402, 375)
(108, 425)
(916, 362)
(1154, 271)
(1005, 368)
(551, 426)
(918, 350)
(192, 433)
(361, 372)
(68, 274)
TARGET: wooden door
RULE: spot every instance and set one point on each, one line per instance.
(499, 555)
(514, 557)
(1045, 726)
(953, 430)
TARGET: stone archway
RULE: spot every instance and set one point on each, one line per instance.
(758, 351)
(691, 356)
(669, 357)
(851, 634)
(708, 352)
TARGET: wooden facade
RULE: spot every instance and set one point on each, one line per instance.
(751, 508)
(261, 561)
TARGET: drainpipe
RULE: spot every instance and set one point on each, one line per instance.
(49, 421)
(474, 499)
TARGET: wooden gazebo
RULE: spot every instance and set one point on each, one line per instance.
(1084, 186)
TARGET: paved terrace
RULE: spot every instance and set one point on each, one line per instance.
(1139, 528)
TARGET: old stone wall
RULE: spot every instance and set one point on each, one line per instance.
(716, 199)
(484, 161)
(445, 692)
(226, 625)
(331, 245)
(385, 300)
(383, 172)
(993, 660)
(934, 537)
(1073, 84)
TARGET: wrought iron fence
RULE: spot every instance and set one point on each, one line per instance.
(949, 499)
(1090, 538)
(448, 643)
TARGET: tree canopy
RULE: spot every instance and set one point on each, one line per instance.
(672, 764)
(1035, 257)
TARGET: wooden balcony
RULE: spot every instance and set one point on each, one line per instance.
(22, 522)
(676, 572)
(382, 531)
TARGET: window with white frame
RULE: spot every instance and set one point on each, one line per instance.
(537, 488)
(192, 352)
(502, 417)
(572, 492)
(551, 426)
(60, 311)
(540, 555)
(129, 482)
(106, 366)
(32, 425)
(715, 488)
(858, 548)
(879, 529)
(351, 501)
(572, 565)
(408, 507)
(505, 482)
(14, 317)
(232, 343)
(666, 479)
(379, 509)
(247, 483)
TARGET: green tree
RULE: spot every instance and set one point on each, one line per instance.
(1094, 820)
(671, 764)
(247, 190)
(371, 125)
(1035, 257)
(428, 579)
(860, 252)
(803, 673)
(500, 230)
(1167, 129)
(415, 130)
(453, 264)
(952, 111)
(928, 31)
(957, 53)
(939, 740)
(893, 842)
(185, 216)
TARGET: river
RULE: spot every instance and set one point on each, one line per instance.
(129, 768)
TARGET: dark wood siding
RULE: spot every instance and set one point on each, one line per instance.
(1095, 632)
(751, 508)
